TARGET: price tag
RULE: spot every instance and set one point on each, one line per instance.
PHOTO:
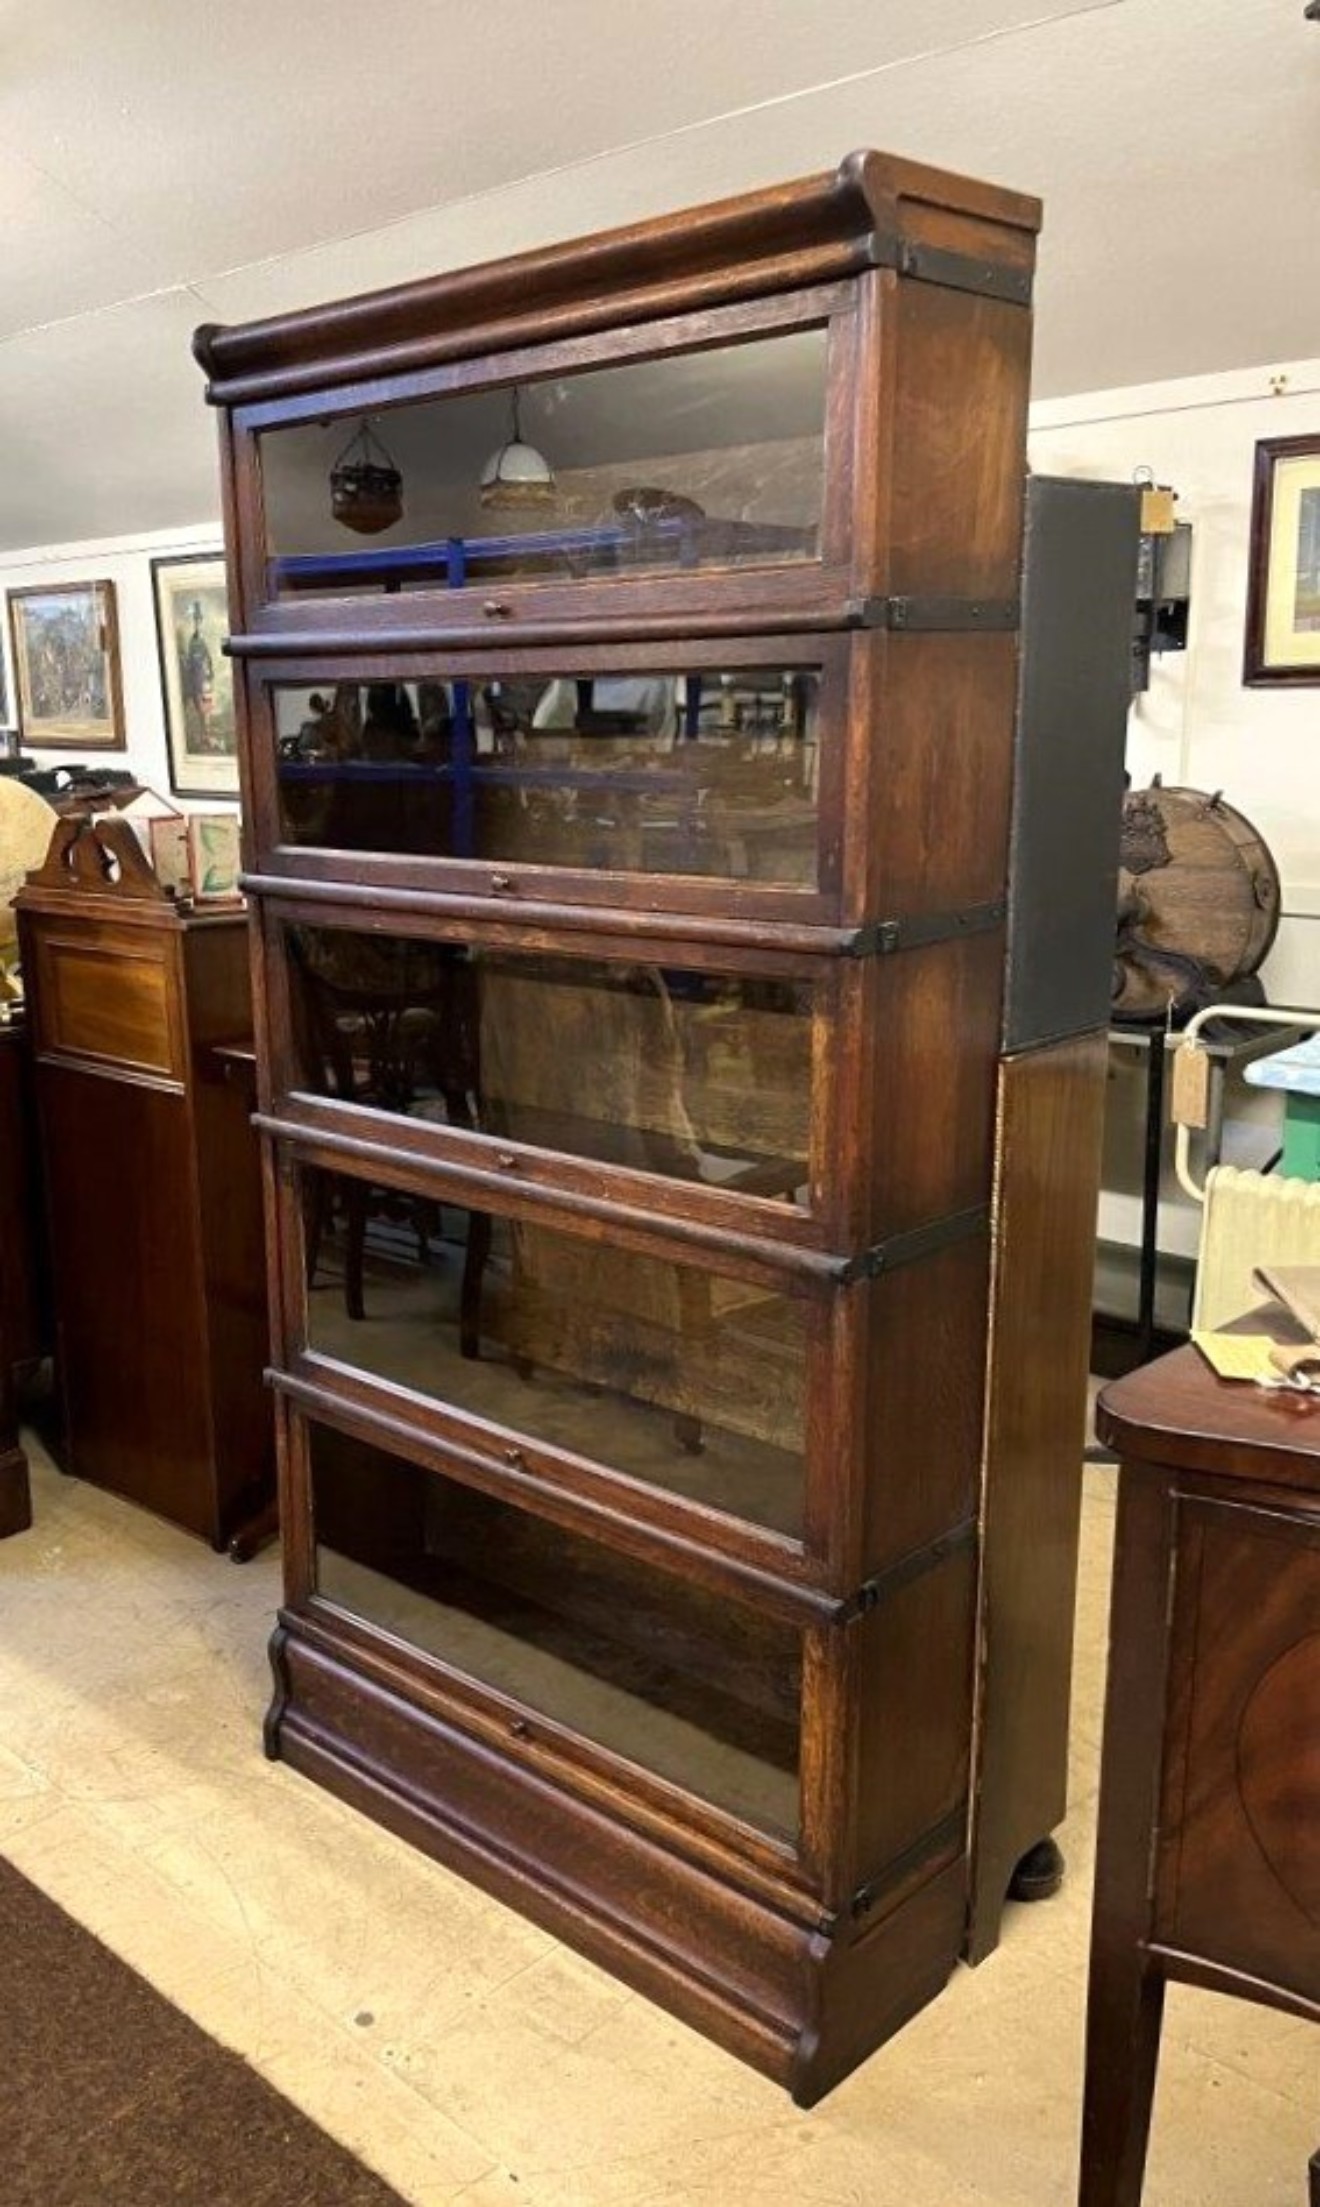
(1190, 1096)
(1157, 504)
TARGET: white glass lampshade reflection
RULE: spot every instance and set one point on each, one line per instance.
(517, 474)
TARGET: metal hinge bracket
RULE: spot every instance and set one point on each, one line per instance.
(936, 264)
(936, 615)
(918, 1242)
(920, 929)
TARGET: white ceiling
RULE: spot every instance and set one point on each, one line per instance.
(163, 164)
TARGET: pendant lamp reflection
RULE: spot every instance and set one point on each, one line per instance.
(517, 474)
(366, 488)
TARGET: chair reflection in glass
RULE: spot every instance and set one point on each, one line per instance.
(385, 1023)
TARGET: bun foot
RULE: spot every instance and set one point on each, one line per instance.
(1039, 1873)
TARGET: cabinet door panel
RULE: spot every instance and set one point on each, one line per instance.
(706, 1078)
(684, 1379)
(703, 771)
(694, 458)
(683, 1683)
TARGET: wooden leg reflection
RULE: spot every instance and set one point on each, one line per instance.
(474, 1265)
(355, 1210)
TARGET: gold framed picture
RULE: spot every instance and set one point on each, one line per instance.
(192, 622)
(1283, 601)
(66, 667)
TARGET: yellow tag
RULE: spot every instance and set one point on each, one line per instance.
(1157, 506)
(1239, 1355)
(1190, 1094)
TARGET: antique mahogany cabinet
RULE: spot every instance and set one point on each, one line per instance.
(1207, 1865)
(152, 1181)
(627, 834)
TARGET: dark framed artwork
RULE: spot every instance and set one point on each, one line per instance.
(66, 666)
(197, 680)
(1283, 600)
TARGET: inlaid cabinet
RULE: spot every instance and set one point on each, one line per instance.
(627, 842)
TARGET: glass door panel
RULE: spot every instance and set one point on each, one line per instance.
(700, 1077)
(715, 773)
(681, 1682)
(710, 458)
(683, 1379)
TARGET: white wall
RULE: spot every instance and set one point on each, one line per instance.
(1197, 725)
(126, 562)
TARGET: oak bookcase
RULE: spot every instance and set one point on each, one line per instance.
(627, 849)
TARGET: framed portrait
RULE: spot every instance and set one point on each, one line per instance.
(66, 666)
(1283, 601)
(192, 622)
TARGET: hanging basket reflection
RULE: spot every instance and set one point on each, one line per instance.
(366, 488)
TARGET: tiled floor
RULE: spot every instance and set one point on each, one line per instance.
(463, 2053)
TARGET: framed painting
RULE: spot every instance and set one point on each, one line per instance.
(192, 622)
(1283, 600)
(66, 666)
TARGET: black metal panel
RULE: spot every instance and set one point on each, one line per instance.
(1078, 592)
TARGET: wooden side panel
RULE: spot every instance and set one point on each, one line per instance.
(1051, 1105)
(937, 721)
(960, 443)
(931, 1018)
(234, 1263)
(218, 979)
(925, 1333)
(915, 1685)
(131, 1314)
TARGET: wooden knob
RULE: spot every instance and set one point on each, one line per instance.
(515, 1457)
(506, 1158)
(501, 881)
(496, 609)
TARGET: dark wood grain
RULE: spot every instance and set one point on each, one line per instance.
(1049, 1122)
(1210, 1776)
(798, 1940)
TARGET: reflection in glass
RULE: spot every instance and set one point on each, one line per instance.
(680, 1681)
(711, 773)
(697, 1076)
(691, 460)
(681, 1378)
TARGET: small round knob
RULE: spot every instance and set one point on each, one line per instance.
(515, 1457)
(520, 1728)
(501, 881)
(497, 609)
(506, 1158)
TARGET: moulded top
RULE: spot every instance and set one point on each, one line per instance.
(826, 226)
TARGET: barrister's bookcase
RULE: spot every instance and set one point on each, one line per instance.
(628, 864)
